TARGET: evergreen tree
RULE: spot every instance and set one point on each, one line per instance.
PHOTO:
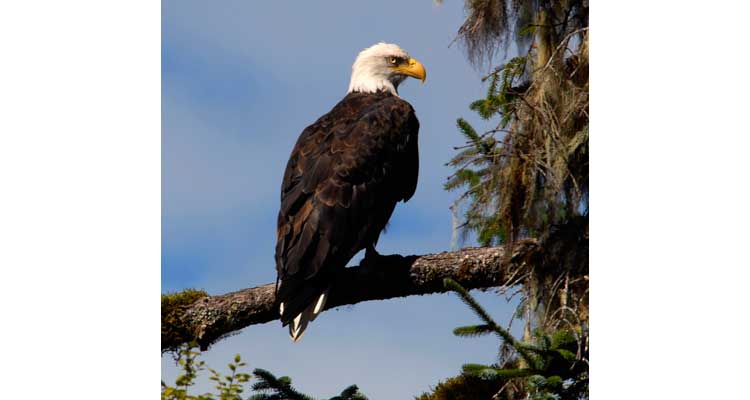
(530, 172)
(528, 178)
(552, 365)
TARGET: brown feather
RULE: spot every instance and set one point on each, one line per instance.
(344, 177)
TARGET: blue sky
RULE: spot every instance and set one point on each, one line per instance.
(240, 80)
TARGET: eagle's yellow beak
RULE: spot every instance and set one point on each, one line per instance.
(412, 68)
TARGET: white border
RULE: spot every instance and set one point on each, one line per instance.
(80, 202)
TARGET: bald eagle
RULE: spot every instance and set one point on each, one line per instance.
(343, 179)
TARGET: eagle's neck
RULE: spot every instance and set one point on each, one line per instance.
(370, 80)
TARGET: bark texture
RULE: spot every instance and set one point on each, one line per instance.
(213, 317)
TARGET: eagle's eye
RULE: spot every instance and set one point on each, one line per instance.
(393, 60)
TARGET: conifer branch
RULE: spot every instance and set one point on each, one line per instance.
(473, 330)
(488, 372)
(489, 322)
(281, 389)
(211, 318)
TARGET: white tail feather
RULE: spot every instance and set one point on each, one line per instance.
(321, 302)
(299, 324)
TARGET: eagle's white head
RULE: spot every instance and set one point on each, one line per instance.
(383, 67)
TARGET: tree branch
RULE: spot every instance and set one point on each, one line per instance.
(212, 317)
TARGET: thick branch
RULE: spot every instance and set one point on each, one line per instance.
(212, 317)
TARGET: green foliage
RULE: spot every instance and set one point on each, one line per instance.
(530, 172)
(473, 330)
(552, 366)
(228, 387)
(489, 324)
(528, 177)
(463, 387)
(274, 388)
(350, 393)
(173, 305)
(231, 386)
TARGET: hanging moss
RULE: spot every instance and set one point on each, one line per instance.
(528, 175)
(530, 172)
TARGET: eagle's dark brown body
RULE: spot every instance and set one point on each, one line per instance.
(343, 180)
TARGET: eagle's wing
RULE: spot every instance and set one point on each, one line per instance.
(344, 177)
